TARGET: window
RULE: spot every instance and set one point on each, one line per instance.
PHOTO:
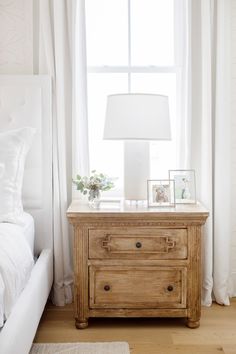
(132, 46)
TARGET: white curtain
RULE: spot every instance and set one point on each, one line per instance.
(56, 22)
(204, 127)
(80, 128)
(62, 54)
(207, 137)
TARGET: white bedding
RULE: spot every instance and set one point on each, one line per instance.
(16, 263)
(28, 229)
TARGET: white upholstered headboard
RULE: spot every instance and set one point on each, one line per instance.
(26, 101)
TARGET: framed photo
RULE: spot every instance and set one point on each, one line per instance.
(161, 193)
(185, 186)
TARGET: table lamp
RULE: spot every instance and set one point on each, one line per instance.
(137, 119)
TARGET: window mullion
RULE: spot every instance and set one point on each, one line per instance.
(133, 69)
(129, 45)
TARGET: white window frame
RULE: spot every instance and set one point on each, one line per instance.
(129, 69)
(179, 61)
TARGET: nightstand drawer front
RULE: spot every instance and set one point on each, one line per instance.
(138, 243)
(139, 287)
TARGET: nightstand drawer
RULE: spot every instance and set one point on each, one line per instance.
(137, 243)
(137, 287)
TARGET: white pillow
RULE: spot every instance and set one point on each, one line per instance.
(14, 146)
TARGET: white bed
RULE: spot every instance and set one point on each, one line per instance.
(26, 101)
(16, 262)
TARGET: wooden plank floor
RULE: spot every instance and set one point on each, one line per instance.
(216, 335)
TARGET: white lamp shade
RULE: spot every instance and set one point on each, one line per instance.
(137, 117)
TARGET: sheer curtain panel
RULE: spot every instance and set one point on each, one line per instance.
(80, 121)
(210, 144)
(56, 26)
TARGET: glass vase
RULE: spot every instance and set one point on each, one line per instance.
(94, 198)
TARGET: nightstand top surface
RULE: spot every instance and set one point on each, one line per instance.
(78, 207)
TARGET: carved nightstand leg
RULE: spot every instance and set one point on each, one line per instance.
(192, 323)
(81, 323)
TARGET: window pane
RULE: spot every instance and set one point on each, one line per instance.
(107, 28)
(152, 32)
(105, 156)
(162, 153)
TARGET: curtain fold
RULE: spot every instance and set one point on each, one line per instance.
(209, 128)
(222, 156)
(80, 129)
(56, 24)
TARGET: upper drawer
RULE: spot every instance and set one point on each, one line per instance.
(130, 243)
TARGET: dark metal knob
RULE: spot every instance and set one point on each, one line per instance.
(107, 287)
(138, 245)
(170, 288)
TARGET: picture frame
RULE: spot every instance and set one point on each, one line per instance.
(185, 186)
(161, 193)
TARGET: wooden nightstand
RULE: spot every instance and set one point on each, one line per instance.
(137, 262)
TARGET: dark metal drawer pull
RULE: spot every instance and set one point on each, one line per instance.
(138, 245)
(107, 287)
(170, 288)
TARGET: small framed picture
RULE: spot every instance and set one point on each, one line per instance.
(161, 193)
(185, 186)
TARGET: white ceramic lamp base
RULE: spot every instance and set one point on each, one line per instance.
(136, 169)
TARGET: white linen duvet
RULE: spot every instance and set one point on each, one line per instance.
(16, 263)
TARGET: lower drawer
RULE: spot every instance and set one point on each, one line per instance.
(137, 287)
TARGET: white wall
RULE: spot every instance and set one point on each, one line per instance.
(16, 36)
(233, 151)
